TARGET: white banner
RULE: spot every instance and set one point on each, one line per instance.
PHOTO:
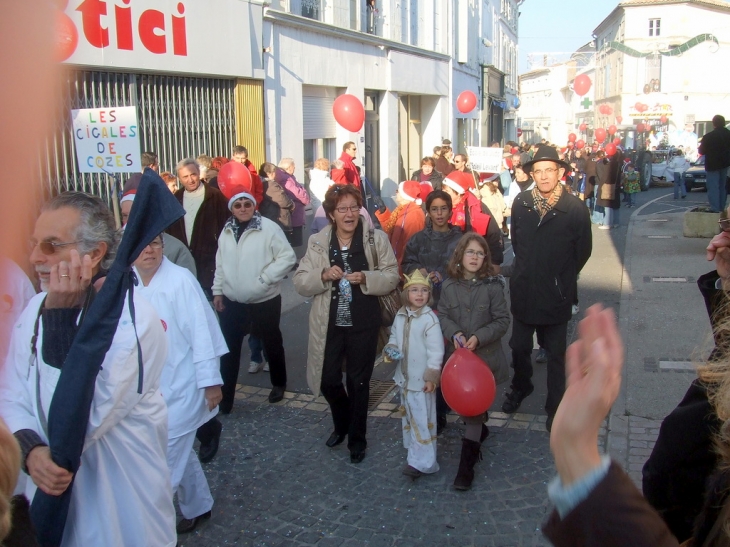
(107, 140)
(485, 160)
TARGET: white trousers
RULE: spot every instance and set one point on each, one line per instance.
(187, 477)
(419, 429)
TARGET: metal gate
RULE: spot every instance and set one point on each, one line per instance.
(178, 116)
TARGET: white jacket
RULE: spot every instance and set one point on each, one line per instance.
(417, 335)
(319, 183)
(251, 270)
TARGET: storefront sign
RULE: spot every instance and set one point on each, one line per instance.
(485, 160)
(107, 140)
(186, 36)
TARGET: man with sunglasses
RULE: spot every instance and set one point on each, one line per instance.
(551, 240)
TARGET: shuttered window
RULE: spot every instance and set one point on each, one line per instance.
(319, 122)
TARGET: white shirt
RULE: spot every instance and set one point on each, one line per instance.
(191, 203)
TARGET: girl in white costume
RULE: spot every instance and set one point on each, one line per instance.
(416, 341)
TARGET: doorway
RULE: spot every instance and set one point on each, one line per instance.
(372, 139)
(409, 135)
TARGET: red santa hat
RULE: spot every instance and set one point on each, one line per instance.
(234, 180)
(128, 196)
(410, 190)
(459, 181)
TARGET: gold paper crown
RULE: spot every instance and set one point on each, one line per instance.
(416, 278)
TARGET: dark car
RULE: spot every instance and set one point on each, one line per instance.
(696, 177)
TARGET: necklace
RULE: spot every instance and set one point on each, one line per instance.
(344, 243)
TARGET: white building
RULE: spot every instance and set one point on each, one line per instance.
(545, 112)
(664, 60)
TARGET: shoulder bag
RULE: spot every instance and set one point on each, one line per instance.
(389, 303)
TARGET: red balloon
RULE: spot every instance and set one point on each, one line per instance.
(609, 109)
(582, 127)
(600, 134)
(580, 143)
(619, 119)
(640, 128)
(234, 177)
(572, 137)
(610, 149)
(467, 383)
(581, 84)
(466, 101)
(611, 129)
(67, 37)
(616, 141)
(664, 119)
(349, 112)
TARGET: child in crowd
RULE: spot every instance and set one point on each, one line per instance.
(631, 184)
(418, 346)
(474, 315)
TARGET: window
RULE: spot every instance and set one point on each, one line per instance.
(653, 75)
(655, 27)
(312, 9)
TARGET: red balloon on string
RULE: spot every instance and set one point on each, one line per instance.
(640, 128)
(349, 112)
(467, 383)
(610, 149)
(582, 127)
(611, 129)
(572, 137)
(664, 120)
(600, 134)
(619, 119)
(616, 141)
(233, 178)
(466, 101)
(581, 84)
(580, 143)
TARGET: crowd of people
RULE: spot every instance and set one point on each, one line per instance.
(208, 257)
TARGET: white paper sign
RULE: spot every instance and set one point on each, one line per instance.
(485, 160)
(107, 139)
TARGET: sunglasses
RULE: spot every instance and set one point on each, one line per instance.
(724, 224)
(48, 247)
(243, 204)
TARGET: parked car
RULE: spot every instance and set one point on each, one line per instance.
(696, 177)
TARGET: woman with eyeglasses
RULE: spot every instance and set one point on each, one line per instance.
(252, 259)
(346, 267)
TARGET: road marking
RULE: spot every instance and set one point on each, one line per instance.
(657, 220)
(660, 237)
(688, 366)
(669, 279)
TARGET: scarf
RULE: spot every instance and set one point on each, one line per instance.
(544, 205)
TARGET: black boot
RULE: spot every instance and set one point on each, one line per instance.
(470, 454)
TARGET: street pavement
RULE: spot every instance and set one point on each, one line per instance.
(276, 483)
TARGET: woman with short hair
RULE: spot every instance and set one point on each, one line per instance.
(428, 174)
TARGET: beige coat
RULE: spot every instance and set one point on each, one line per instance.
(308, 282)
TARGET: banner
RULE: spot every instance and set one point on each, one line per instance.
(485, 160)
(107, 140)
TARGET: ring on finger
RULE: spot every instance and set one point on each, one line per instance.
(65, 275)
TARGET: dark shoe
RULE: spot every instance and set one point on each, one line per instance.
(335, 439)
(209, 449)
(440, 424)
(185, 526)
(356, 456)
(277, 394)
(541, 356)
(549, 423)
(484, 434)
(514, 400)
(411, 472)
(470, 454)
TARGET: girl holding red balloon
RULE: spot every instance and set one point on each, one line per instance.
(474, 317)
(418, 346)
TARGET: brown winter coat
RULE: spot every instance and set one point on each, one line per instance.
(208, 225)
(308, 282)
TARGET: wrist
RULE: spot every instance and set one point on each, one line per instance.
(573, 461)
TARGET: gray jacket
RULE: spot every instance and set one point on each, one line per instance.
(478, 308)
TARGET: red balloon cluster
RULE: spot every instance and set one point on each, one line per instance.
(600, 134)
(466, 101)
(610, 149)
(467, 383)
(582, 127)
(605, 109)
(580, 143)
(349, 112)
(581, 84)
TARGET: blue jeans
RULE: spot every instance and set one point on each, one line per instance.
(632, 199)
(716, 190)
(599, 213)
(611, 218)
(679, 185)
(256, 347)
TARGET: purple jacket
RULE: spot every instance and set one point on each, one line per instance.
(296, 192)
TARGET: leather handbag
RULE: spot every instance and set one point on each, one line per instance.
(389, 303)
(608, 191)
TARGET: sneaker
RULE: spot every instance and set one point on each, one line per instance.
(514, 400)
(266, 366)
(576, 309)
(604, 227)
(541, 356)
(254, 367)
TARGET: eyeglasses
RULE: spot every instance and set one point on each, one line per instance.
(48, 247)
(245, 204)
(343, 210)
(724, 224)
(472, 252)
(540, 172)
(156, 244)
(442, 209)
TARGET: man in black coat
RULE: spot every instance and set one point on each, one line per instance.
(716, 148)
(551, 240)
